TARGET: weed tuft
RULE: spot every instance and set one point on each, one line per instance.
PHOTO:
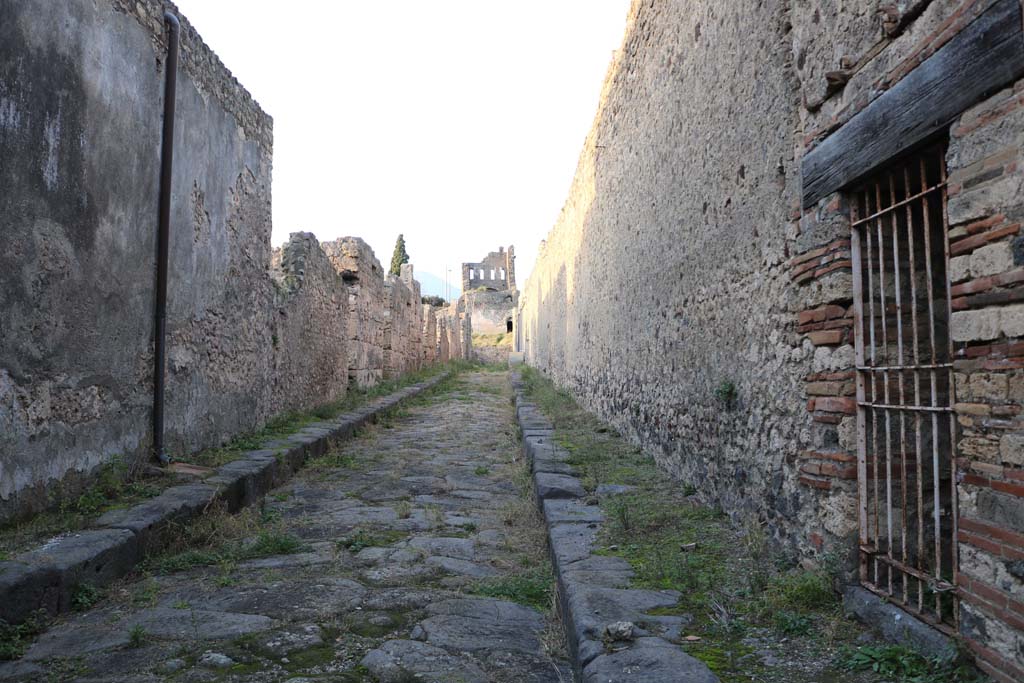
(367, 538)
(15, 639)
(137, 637)
(902, 665)
(532, 589)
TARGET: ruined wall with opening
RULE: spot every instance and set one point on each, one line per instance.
(686, 295)
(496, 271)
(252, 332)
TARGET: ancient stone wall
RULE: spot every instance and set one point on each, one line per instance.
(443, 340)
(250, 334)
(362, 272)
(309, 333)
(453, 326)
(402, 324)
(686, 295)
(82, 103)
(663, 282)
(428, 337)
(491, 311)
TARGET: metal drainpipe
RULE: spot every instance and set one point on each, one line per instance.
(163, 235)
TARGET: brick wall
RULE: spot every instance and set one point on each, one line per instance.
(985, 206)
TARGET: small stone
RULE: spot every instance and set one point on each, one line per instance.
(619, 630)
(1016, 569)
(215, 660)
(172, 665)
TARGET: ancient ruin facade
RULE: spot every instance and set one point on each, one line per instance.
(489, 293)
(497, 271)
(252, 332)
(751, 280)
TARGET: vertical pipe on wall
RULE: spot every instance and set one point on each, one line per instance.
(163, 234)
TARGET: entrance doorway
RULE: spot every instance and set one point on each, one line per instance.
(906, 427)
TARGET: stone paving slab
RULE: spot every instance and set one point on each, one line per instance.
(594, 592)
(385, 588)
(45, 578)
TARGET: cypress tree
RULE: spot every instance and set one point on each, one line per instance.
(399, 257)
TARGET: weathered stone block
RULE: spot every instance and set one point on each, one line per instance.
(959, 268)
(897, 625)
(997, 196)
(26, 588)
(988, 386)
(991, 259)
(975, 325)
(557, 486)
(1011, 449)
(1011, 320)
(95, 556)
(657, 659)
(176, 504)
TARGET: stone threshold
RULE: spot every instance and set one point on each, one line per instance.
(609, 632)
(897, 626)
(46, 577)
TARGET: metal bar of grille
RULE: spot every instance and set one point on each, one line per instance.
(904, 386)
(858, 343)
(874, 413)
(906, 368)
(899, 379)
(934, 386)
(901, 407)
(897, 205)
(954, 549)
(884, 314)
(917, 389)
(935, 584)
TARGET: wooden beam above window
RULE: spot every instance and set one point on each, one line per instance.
(988, 54)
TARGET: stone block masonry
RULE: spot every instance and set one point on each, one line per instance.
(253, 332)
(363, 274)
(686, 295)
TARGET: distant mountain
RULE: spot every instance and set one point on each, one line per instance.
(432, 285)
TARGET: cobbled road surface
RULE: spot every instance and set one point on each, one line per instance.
(402, 530)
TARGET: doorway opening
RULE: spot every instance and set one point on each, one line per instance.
(904, 356)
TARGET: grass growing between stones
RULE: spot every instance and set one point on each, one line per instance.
(755, 615)
(501, 339)
(531, 588)
(115, 485)
(121, 484)
(222, 539)
(288, 423)
(900, 664)
(363, 538)
(14, 640)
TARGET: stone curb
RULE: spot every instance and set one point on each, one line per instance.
(593, 590)
(46, 577)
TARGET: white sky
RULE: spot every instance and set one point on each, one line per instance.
(455, 122)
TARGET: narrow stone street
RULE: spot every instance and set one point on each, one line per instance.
(411, 553)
